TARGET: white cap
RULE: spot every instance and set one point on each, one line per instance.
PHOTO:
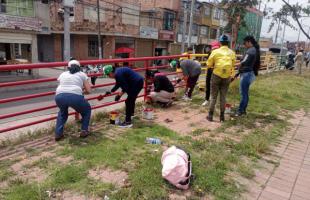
(74, 62)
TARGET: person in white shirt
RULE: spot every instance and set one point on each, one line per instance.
(69, 93)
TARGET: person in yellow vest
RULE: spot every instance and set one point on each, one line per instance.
(214, 45)
(223, 62)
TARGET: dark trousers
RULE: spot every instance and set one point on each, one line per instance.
(191, 83)
(93, 80)
(208, 83)
(131, 101)
(78, 103)
(218, 85)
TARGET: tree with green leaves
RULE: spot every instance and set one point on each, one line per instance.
(236, 11)
(296, 11)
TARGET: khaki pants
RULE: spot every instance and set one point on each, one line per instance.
(221, 85)
(162, 96)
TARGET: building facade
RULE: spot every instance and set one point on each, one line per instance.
(19, 26)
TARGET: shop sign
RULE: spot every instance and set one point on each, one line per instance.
(20, 23)
(166, 35)
(148, 32)
(194, 39)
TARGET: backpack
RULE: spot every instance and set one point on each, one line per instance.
(177, 167)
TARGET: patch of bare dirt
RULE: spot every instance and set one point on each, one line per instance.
(118, 178)
(182, 120)
(70, 195)
(64, 160)
(33, 174)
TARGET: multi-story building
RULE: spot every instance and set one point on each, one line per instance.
(253, 19)
(128, 28)
(18, 30)
(158, 24)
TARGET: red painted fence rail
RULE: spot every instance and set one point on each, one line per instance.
(62, 64)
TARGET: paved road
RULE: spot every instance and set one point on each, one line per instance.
(42, 101)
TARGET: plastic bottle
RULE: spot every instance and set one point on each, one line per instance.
(153, 141)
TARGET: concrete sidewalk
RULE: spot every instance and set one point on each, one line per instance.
(291, 179)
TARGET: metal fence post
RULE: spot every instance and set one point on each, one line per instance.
(146, 66)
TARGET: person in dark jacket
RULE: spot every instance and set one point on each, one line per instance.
(163, 89)
(248, 69)
(131, 83)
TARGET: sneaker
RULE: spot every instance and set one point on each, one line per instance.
(205, 103)
(58, 138)
(84, 134)
(186, 98)
(239, 114)
(125, 125)
(210, 117)
(222, 117)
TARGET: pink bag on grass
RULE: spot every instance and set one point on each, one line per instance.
(177, 167)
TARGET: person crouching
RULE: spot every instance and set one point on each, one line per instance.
(163, 93)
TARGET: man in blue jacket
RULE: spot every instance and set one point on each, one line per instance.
(131, 83)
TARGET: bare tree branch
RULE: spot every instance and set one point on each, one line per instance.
(296, 18)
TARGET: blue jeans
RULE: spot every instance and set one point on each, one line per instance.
(78, 103)
(246, 79)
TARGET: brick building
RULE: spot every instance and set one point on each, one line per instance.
(128, 28)
(18, 29)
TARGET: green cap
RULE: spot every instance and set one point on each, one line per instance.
(173, 64)
(107, 69)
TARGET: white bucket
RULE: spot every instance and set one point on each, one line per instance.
(148, 113)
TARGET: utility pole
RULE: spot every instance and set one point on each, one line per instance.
(277, 33)
(191, 24)
(67, 52)
(283, 35)
(184, 27)
(99, 32)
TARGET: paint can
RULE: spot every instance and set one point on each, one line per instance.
(148, 113)
(228, 108)
(114, 117)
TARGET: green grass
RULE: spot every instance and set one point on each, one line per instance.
(270, 96)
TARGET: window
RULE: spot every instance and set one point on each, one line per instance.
(213, 33)
(207, 11)
(195, 29)
(17, 7)
(3, 6)
(204, 30)
(217, 14)
(168, 21)
(93, 47)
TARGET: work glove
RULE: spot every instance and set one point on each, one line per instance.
(107, 93)
(117, 97)
(100, 97)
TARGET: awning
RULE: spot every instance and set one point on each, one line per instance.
(124, 50)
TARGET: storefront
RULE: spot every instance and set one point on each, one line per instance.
(18, 39)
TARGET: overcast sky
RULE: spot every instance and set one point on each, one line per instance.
(290, 34)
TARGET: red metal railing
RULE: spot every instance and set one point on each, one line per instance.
(62, 64)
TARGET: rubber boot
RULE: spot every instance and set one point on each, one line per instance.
(210, 117)
(222, 117)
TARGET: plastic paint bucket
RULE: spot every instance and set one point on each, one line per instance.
(114, 117)
(148, 113)
(228, 108)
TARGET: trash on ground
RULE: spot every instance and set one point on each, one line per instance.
(114, 117)
(153, 141)
(148, 113)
